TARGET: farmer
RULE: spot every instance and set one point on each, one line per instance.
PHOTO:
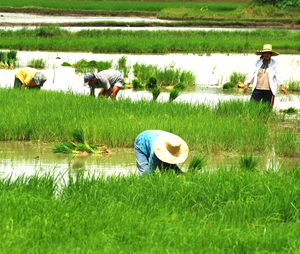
(266, 77)
(111, 81)
(156, 148)
(29, 78)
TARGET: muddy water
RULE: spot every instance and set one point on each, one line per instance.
(17, 158)
(211, 72)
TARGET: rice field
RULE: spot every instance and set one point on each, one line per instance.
(231, 210)
(233, 126)
(54, 38)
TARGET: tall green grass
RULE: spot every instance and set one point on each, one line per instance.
(232, 126)
(147, 42)
(226, 211)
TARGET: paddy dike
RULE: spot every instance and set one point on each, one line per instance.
(133, 19)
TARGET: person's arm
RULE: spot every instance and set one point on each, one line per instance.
(92, 91)
(23, 86)
(283, 89)
(246, 87)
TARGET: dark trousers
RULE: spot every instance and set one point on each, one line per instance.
(262, 95)
(18, 84)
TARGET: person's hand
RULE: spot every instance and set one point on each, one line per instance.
(283, 90)
(245, 88)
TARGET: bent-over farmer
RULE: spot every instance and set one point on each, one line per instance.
(29, 78)
(157, 148)
(111, 81)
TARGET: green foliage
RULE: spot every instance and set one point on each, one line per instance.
(293, 85)
(248, 163)
(237, 77)
(123, 66)
(155, 92)
(229, 85)
(282, 4)
(137, 85)
(83, 66)
(38, 63)
(173, 95)
(151, 83)
(66, 64)
(197, 163)
(180, 86)
(290, 110)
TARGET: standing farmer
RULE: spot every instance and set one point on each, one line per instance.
(266, 77)
(30, 78)
(156, 148)
(111, 81)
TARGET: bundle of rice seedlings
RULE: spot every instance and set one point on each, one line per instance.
(248, 163)
(197, 163)
(155, 93)
(173, 95)
(63, 148)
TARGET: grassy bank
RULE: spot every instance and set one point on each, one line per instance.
(227, 211)
(147, 42)
(234, 126)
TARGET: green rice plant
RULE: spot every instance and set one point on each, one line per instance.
(237, 77)
(248, 163)
(63, 148)
(155, 93)
(168, 76)
(180, 86)
(229, 85)
(151, 83)
(287, 143)
(137, 85)
(173, 95)
(293, 85)
(188, 78)
(4, 58)
(78, 135)
(290, 110)
(66, 64)
(38, 63)
(123, 66)
(197, 163)
(104, 65)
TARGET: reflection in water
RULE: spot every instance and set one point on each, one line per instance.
(17, 158)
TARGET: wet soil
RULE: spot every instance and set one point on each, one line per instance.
(206, 22)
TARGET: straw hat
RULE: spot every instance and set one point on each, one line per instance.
(170, 148)
(267, 48)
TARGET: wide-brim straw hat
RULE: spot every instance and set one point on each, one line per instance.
(170, 148)
(267, 48)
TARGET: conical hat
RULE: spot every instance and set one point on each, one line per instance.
(170, 148)
(267, 48)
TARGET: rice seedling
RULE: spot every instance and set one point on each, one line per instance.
(237, 77)
(197, 163)
(248, 163)
(180, 86)
(151, 83)
(229, 85)
(290, 110)
(292, 85)
(66, 64)
(173, 95)
(38, 63)
(123, 66)
(83, 66)
(137, 85)
(155, 93)
(72, 148)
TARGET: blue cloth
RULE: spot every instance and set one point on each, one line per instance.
(146, 159)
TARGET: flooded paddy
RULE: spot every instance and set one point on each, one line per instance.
(211, 72)
(17, 158)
